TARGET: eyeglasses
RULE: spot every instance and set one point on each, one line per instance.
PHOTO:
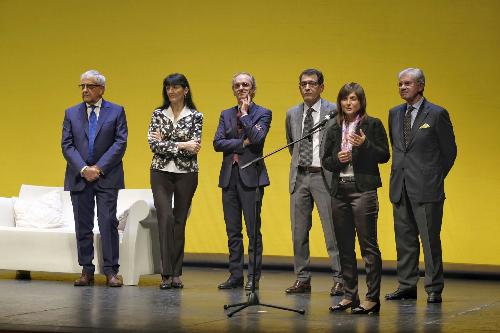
(241, 84)
(313, 84)
(88, 86)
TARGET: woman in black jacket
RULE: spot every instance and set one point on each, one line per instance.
(354, 146)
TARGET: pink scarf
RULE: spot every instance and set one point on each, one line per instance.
(348, 128)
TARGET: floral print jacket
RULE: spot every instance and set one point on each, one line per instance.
(188, 128)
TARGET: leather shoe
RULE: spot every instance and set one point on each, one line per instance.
(342, 307)
(85, 279)
(400, 294)
(361, 310)
(337, 289)
(248, 286)
(113, 281)
(231, 284)
(434, 298)
(299, 287)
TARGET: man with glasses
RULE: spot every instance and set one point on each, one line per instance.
(240, 136)
(310, 182)
(94, 139)
(423, 153)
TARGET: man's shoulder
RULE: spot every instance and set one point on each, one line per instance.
(433, 107)
(108, 104)
(296, 108)
(261, 108)
(397, 108)
(327, 105)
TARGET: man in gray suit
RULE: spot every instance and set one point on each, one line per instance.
(310, 182)
(423, 152)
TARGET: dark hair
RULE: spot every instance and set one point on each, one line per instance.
(172, 80)
(312, 71)
(345, 91)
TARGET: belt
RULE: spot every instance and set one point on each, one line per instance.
(310, 169)
(347, 179)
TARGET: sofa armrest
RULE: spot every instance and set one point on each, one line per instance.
(7, 212)
(136, 248)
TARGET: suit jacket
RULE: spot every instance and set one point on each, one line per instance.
(228, 142)
(365, 158)
(431, 152)
(109, 145)
(294, 132)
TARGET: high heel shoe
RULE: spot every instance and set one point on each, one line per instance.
(166, 283)
(342, 307)
(177, 283)
(361, 310)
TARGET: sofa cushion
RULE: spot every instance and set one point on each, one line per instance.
(43, 212)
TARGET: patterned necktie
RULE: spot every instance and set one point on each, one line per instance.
(239, 129)
(306, 146)
(407, 125)
(92, 129)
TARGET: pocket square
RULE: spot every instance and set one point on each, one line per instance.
(424, 126)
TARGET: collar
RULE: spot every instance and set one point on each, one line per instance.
(98, 103)
(170, 114)
(417, 105)
(316, 106)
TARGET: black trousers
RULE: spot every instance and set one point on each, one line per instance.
(237, 198)
(356, 213)
(83, 211)
(172, 221)
(411, 220)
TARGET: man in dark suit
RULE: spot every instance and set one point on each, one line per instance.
(94, 139)
(240, 136)
(423, 152)
(310, 182)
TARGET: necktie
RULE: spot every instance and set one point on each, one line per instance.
(239, 128)
(92, 129)
(407, 125)
(306, 146)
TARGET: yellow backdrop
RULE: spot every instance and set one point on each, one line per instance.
(46, 45)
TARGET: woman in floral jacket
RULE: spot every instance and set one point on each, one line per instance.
(174, 137)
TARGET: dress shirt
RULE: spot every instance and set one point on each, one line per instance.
(316, 161)
(416, 106)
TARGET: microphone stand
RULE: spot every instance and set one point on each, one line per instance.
(253, 298)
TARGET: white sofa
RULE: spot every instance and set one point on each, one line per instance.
(54, 250)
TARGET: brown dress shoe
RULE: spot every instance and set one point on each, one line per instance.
(85, 279)
(337, 289)
(113, 281)
(299, 287)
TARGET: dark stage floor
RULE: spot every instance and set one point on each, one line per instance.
(49, 302)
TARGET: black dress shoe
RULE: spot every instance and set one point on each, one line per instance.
(402, 294)
(248, 286)
(342, 307)
(337, 289)
(299, 287)
(361, 310)
(231, 284)
(85, 279)
(434, 298)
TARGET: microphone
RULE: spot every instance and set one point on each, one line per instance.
(322, 122)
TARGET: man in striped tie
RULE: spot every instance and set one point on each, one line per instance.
(94, 139)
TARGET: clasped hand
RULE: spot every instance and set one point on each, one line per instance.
(91, 173)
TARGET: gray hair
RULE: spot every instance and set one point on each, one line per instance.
(254, 85)
(415, 73)
(93, 74)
